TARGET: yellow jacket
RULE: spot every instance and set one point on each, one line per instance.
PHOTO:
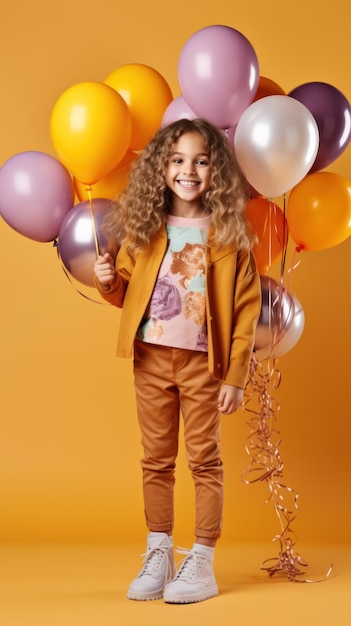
(233, 304)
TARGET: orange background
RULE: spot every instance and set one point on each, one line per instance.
(69, 441)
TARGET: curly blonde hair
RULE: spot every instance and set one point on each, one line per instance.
(142, 208)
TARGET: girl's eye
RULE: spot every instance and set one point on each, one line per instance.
(178, 161)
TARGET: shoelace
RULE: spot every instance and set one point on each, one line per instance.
(153, 560)
(190, 565)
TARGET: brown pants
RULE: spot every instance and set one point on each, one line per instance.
(167, 381)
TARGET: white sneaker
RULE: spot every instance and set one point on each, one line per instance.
(195, 579)
(158, 569)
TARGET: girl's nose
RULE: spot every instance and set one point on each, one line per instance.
(188, 167)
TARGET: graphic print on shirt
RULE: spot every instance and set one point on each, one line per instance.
(176, 315)
(189, 262)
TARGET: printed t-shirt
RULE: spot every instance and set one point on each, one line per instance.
(176, 313)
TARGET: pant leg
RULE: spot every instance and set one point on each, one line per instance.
(157, 401)
(164, 379)
(199, 400)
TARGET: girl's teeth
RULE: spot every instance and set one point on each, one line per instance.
(188, 183)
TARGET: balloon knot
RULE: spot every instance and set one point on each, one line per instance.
(55, 243)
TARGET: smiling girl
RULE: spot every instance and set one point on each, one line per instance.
(190, 295)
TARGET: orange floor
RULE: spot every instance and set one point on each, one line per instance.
(75, 585)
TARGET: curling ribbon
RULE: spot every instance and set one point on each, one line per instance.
(266, 465)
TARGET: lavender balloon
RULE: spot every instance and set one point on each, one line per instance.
(36, 192)
(76, 241)
(277, 313)
(218, 74)
(332, 113)
(178, 109)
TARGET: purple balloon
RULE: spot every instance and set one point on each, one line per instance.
(218, 74)
(178, 109)
(332, 113)
(36, 192)
(76, 241)
(277, 313)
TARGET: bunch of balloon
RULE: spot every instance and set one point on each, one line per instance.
(99, 151)
(89, 144)
(276, 141)
(282, 316)
(319, 206)
(219, 78)
(280, 148)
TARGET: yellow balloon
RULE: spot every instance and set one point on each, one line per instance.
(110, 186)
(147, 95)
(319, 211)
(90, 128)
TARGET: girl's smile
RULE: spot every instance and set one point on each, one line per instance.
(188, 183)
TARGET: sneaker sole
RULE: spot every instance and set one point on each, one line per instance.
(145, 597)
(210, 593)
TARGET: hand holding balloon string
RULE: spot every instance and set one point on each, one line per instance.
(104, 270)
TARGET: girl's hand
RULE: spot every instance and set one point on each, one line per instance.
(229, 399)
(104, 269)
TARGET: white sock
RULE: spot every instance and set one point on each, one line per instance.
(155, 536)
(208, 550)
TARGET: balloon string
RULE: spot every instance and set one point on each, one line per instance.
(97, 250)
(271, 221)
(294, 264)
(285, 241)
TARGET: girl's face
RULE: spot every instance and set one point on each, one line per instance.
(188, 173)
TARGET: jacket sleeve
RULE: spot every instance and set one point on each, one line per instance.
(246, 312)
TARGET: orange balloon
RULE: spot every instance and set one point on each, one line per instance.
(147, 95)
(319, 211)
(110, 186)
(268, 87)
(90, 129)
(269, 225)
